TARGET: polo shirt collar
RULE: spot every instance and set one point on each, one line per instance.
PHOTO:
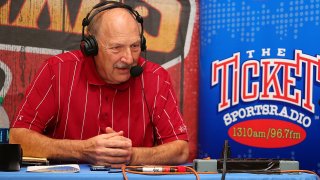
(94, 78)
(91, 72)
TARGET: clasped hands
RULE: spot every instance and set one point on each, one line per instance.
(111, 148)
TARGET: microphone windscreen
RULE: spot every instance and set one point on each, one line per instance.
(136, 71)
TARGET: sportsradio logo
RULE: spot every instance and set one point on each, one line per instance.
(267, 91)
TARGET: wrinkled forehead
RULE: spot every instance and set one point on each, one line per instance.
(113, 18)
(118, 28)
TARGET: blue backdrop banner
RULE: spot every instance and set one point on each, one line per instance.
(260, 79)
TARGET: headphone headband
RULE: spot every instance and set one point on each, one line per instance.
(89, 45)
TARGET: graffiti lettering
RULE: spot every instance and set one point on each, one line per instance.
(60, 21)
(169, 25)
(31, 10)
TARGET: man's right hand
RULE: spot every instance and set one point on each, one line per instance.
(111, 148)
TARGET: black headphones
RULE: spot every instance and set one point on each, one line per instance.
(89, 45)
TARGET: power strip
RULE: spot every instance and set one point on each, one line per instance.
(215, 165)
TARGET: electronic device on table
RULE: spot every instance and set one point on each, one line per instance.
(254, 165)
(244, 165)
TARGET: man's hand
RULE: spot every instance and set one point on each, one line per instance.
(111, 148)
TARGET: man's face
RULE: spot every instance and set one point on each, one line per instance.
(119, 48)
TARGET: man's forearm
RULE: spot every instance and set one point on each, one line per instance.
(38, 145)
(173, 153)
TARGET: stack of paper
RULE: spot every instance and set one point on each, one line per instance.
(62, 168)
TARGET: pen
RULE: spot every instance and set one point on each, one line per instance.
(160, 169)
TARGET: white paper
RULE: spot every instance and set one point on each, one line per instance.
(61, 168)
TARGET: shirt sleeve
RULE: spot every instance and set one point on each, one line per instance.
(167, 119)
(37, 107)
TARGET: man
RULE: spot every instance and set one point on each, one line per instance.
(89, 108)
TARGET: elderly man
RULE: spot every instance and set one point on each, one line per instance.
(86, 106)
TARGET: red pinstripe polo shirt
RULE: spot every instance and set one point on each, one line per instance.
(68, 100)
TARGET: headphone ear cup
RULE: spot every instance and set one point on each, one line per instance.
(143, 43)
(89, 46)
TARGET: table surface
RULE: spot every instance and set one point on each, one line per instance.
(85, 173)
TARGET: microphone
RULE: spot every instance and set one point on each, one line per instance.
(136, 70)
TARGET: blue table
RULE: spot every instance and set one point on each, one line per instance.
(85, 173)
